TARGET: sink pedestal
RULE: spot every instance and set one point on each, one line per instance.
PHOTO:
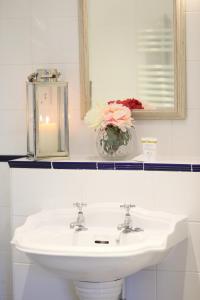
(110, 290)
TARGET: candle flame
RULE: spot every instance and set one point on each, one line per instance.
(47, 120)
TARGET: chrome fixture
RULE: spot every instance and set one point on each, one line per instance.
(127, 227)
(47, 115)
(44, 75)
(79, 224)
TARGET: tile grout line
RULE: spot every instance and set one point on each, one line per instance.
(156, 284)
(178, 272)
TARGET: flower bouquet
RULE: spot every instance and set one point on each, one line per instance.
(114, 123)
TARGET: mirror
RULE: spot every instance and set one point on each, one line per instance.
(134, 49)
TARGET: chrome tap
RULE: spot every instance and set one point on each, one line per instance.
(127, 227)
(79, 224)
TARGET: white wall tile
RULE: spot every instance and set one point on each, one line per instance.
(6, 297)
(55, 40)
(192, 5)
(185, 257)
(178, 286)
(18, 256)
(193, 82)
(13, 86)
(167, 191)
(122, 186)
(5, 273)
(51, 8)
(32, 282)
(15, 8)
(12, 132)
(141, 286)
(193, 35)
(51, 189)
(155, 190)
(15, 41)
(80, 137)
(11, 121)
(161, 130)
(178, 193)
(5, 258)
(50, 39)
(184, 135)
(4, 228)
(4, 185)
(14, 144)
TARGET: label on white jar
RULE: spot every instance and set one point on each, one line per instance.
(149, 148)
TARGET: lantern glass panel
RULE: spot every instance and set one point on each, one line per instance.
(47, 119)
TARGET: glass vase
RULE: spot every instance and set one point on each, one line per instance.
(114, 143)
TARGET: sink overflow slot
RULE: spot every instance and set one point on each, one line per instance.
(101, 242)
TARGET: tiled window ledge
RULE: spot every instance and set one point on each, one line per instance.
(103, 165)
(6, 158)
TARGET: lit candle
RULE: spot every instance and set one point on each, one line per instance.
(48, 138)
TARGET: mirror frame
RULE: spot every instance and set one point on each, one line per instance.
(180, 66)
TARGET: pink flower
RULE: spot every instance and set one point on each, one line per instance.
(117, 115)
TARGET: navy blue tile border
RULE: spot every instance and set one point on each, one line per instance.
(195, 168)
(128, 166)
(167, 167)
(105, 165)
(102, 165)
(6, 158)
(75, 165)
(30, 164)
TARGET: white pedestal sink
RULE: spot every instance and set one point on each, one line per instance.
(99, 258)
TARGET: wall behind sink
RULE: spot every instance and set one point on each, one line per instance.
(45, 34)
(5, 255)
(177, 278)
(33, 34)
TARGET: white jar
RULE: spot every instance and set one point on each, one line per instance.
(149, 148)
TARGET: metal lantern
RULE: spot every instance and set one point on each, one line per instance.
(47, 116)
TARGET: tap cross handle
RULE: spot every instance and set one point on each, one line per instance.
(127, 207)
(80, 205)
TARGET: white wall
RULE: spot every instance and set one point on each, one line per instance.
(33, 34)
(45, 33)
(5, 255)
(176, 278)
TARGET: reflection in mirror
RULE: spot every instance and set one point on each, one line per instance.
(134, 49)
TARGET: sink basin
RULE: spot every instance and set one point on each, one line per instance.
(102, 253)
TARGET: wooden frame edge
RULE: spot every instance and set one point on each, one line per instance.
(180, 47)
(85, 99)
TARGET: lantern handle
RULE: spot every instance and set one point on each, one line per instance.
(32, 77)
(44, 75)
